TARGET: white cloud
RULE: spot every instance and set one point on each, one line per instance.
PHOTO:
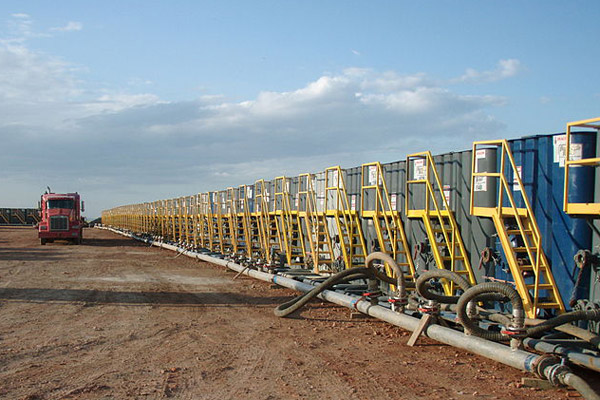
(69, 27)
(120, 102)
(124, 147)
(504, 69)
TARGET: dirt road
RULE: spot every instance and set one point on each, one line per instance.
(116, 319)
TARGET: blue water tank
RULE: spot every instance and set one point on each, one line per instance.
(541, 161)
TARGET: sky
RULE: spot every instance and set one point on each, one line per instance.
(135, 101)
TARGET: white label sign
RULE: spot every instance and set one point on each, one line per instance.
(372, 175)
(336, 178)
(420, 172)
(353, 202)
(394, 201)
(480, 184)
(516, 186)
(479, 155)
(447, 194)
(560, 150)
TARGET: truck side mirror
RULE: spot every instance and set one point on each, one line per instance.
(82, 206)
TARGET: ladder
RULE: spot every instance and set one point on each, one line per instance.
(163, 219)
(184, 221)
(386, 218)
(288, 223)
(236, 221)
(205, 227)
(433, 209)
(315, 225)
(5, 216)
(518, 233)
(169, 220)
(266, 221)
(176, 220)
(195, 219)
(347, 222)
(19, 214)
(250, 221)
(214, 234)
(224, 223)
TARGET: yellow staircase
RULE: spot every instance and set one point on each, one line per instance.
(288, 223)
(269, 236)
(337, 206)
(170, 220)
(386, 218)
(224, 221)
(205, 223)
(315, 225)
(195, 219)
(432, 207)
(236, 221)
(250, 221)
(214, 235)
(518, 233)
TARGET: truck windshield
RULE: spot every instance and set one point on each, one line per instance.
(61, 203)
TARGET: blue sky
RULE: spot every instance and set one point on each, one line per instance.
(133, 101)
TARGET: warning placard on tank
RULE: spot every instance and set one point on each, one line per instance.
(560, 150)
(420, 172)
(480, 184)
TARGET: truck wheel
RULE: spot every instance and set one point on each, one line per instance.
(43, 242)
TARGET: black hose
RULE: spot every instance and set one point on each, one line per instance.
(296, 303)
(474, 292)
(423, 285)
(581, 315)
(400, 284)
(489, 291)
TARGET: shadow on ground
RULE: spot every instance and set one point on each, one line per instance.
(116, 242)
(91, 297)
(29, 254)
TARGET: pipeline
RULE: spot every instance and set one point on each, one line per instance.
(545, 367)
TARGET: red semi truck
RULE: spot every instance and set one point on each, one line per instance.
(61, 218)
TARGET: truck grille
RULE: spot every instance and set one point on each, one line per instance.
(59, 223)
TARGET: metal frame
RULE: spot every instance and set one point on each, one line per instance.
(580, 208)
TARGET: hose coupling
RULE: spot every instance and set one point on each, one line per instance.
(373, 297)
(542, 362)
(556, 373)
(514, 330)
(397, 303)
(431, 307)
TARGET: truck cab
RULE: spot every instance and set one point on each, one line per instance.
(61, 218)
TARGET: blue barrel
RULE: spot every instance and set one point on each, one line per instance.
(543, 175)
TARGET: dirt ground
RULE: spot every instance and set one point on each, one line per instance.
(116, 319)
